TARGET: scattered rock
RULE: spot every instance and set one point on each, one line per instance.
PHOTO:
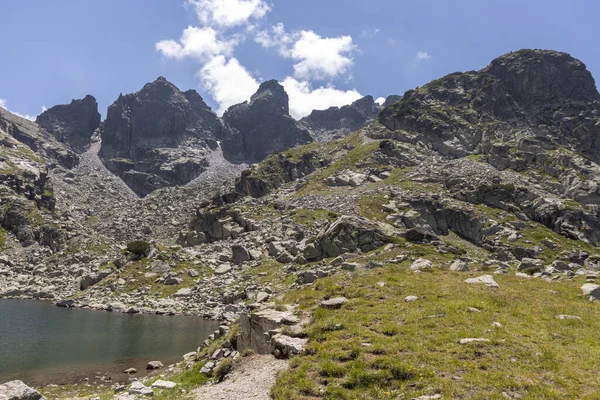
(154, 365)
(335, 303)
(487, 280)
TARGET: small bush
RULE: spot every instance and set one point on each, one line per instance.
(223, 369)
(138, 247)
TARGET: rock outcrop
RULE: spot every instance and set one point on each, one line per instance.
(265, 124)
(161, 136)
(72, 124)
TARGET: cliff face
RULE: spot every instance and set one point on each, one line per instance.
(72, 124)
(159, 136)
(265, 124)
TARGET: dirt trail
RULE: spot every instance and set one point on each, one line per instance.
(252, 379)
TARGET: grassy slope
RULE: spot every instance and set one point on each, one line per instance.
(380, 347)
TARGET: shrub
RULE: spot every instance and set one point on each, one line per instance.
(138, 247)
(223, 369)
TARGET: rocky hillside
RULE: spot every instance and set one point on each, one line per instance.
(468, 209)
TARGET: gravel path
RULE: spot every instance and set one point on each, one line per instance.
(251, 379)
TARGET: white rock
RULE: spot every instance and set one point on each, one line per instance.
(421, 263)
(160, 384)
(138, 387)
(473, 340)
(592, 290)
(487, 280)
(17, 390)
(408, 299)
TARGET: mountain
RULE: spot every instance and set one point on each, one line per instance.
(159, 136)
(468, 208)
(72, 124)
(265, 124)
(337, 122)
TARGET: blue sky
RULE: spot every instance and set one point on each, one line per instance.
(327, 52)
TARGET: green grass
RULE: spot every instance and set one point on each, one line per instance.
(3, 234)
(308, 217)
(379, 347)
(270, 271)
(134, 276)
(76, 392)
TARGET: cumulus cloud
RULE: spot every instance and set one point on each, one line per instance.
(2, 103)
(380, 100)
(227, 81)
(304, 99)
(228, 13)
(317, 58)
(422, 55)
(201, 43)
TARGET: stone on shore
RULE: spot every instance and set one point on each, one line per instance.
(154, 365)
(17, 390)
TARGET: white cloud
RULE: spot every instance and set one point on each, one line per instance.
(422, 55)
(276, 37)
(318, 58)
(3, 104)
(227, 81)
(304, 99)
(228, 13)
(380, 100)
(321, 58)
(201, 43)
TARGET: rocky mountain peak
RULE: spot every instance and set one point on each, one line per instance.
(73, 123)
(542, 76)
(144, 134)
(271, 98)
(264, 122)
(527, 93)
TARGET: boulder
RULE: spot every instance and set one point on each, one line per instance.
(154, 365)
(138, 388)
(349, 234)
(161, 384)
(17, 390)
(257, 327)
(240, 254)
(487, 280)
(335, 303)
(421, 264)
(592, 290)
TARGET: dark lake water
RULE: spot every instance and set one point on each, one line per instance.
(41, 343)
